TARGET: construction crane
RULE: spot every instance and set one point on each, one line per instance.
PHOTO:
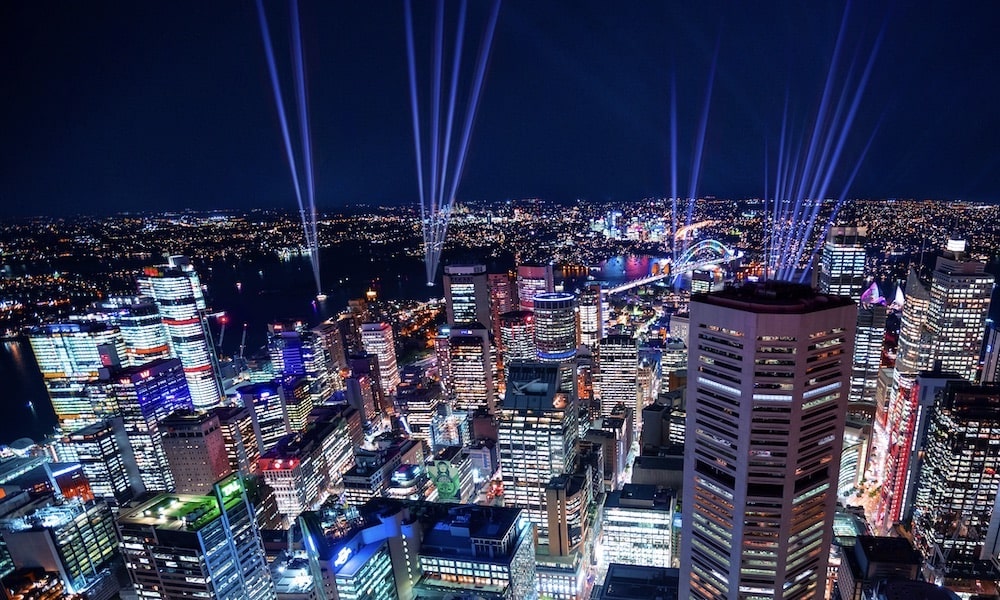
(243, 341)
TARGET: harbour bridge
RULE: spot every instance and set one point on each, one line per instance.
(705, 253)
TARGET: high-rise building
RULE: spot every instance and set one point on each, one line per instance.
(956, 315)
(842, 263)
(72, 358)
(618, 373)
(637, 526)
(176, 289)
(366, 364)
(591, 315)
(196, 451)
(103, 451)
(240, 437)
(503, 297)
(531, 281)
(466, 294)
(145, 395)
(332, 342)
(991, 353)
(418, 398)
(762, 452)
(537, 435)
(142, 328)
(517, 336)
(471, 376)
(298, 351)
(74, 539)
(960, 475)
(378, 339)
(270, 415)
(555, 326)
(180, 545)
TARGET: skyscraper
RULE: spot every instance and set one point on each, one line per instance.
(537, 435)
(842, 263)
(517, 336)
(72, 357)
(531, 281)
(180, 545)
(466, 294)
(471, 376)
(618, 373)
(503, 297)
(142, 329)
(196, 451)
(763, 451)
(266, 402)
(555, 326)
(177, 291)
(591, 315)
(960, 476)
(378, 339)
(145, 395)
(106, 457)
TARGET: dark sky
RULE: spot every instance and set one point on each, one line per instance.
(167, 105)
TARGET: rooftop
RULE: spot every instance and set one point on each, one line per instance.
(773, 297)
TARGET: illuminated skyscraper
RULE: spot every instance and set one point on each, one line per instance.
(267, 403)
(618, 373)
(378, 339)
(555, 326)
(145, 396)
(842, 263)
(591, 315)
(298, 351)
(72, 357)
(503, 297)
(196, 451)
(239, 436)
(177, 291)
(180, 545)
(517, 336)
(762, 452)
(141, 326)
(531, 281)
(471, 378)
(538, 430)
(960, 476)
(106, 457)
(466, 294)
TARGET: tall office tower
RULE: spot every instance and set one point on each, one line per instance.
(991, 353)
(180, 545)
(537, 435)
(869, 338)
(295, 350)
(503, 297)
(329, 337)
(957, 490)
(471, 376)
(138, 317)
(555, 326)
(359, 390)
(842, 272)
(177, 291)
(517, 336)
(842, 263)
(298, 401)
(591, 315)
(378, 339)
(73, 539)
(418, 398)
(240, 437)
(145, 395)
(442, 354)
(267, 403)
(762, 452)
(466, 294)
(638, 526)
(618, 373)
(366, 364)
(956, 315)
(72, 357)
(106, 457)
(196, 451)
(531, 281)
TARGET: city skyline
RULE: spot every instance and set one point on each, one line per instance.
(163, 108)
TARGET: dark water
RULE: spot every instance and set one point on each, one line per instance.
(269, 289)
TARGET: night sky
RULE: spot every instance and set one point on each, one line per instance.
(111, 107)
